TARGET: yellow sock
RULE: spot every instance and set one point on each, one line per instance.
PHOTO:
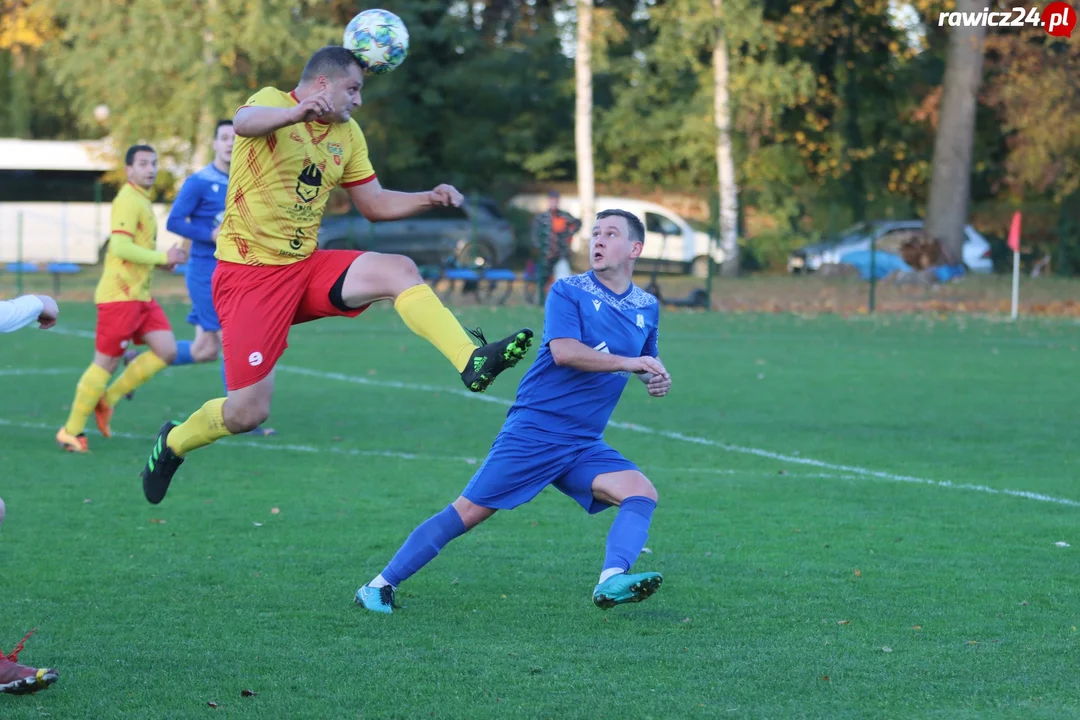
(426, 316)
(141, 369)
(205, 425)
(87, 393)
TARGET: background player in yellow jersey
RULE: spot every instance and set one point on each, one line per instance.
(125, 311)
(292, 149)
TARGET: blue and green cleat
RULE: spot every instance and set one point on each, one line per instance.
(490, 359)
(380, 600)
(626, 588)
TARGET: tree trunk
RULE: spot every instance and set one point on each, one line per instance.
(583, 116)
(204, 129)
(950, 182)
(725, 158)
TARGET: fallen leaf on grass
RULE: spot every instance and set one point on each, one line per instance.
(258, 524)
(1023, 603)
(825, 678)
(858, 572)
(248, 693)
(274, 511)
(972, 642)
(647, 551)
(886, 648)
(916, 627)
(157, 521)
(88, 500)
(1059, 543)
(212, 704)
(843, 622)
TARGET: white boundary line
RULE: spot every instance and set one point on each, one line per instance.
(842, 470)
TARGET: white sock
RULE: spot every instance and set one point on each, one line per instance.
(378, 582)
(610, 572)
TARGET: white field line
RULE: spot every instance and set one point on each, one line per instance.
(838, 470)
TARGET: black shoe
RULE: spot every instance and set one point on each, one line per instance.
(160, 467)
(490, 359)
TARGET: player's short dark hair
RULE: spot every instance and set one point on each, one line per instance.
(129, 156)
(331, 61)
(221, 124)
(637, 230)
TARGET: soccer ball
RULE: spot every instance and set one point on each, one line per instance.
(378, 39)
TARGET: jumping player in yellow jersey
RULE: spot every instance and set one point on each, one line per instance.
(292, 149)
(125, 311)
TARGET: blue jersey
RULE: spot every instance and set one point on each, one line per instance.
(565, 406)
(194, 214)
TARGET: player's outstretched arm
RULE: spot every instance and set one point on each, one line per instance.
(377, 203)
(20, 312)
(567, 352)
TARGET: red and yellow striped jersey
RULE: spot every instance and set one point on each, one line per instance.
(279, 185)
(132, 254)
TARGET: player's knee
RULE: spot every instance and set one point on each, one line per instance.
(402, 272)
(643, 487)
(246, 416)
(167, 354)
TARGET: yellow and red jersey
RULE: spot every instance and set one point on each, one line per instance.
(132, 254)
(279, 185)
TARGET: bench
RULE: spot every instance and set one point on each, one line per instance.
(56, 269)
(481, 284)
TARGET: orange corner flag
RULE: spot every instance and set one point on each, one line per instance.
(1014, 233)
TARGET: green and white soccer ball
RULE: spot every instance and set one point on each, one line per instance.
(378, 39)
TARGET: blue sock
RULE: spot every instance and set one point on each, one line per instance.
(223, 383)
(183, 353)
(423, 545)
(629, 532)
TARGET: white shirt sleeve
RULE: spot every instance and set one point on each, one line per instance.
(20, 312)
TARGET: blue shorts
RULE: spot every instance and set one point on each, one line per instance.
(199, 286)
(518, 468)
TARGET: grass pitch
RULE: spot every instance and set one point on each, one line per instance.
(858, 518)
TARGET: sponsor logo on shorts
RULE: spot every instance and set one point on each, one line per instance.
(286, 253)
(255, 359)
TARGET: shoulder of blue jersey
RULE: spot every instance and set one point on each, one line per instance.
(635, 300)
(210, 174)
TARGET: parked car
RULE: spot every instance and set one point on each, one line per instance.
(809, 258)
(470, 235)
(670, 242)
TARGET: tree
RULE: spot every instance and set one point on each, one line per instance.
(164, 76)
(725, 155)
(950, 183)
(583, 107)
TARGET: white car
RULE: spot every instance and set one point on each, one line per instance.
(669, 239)
(810, 258)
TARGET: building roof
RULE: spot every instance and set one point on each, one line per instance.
(77, 155)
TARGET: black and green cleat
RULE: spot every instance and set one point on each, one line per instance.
(160, 467)
(490, 359)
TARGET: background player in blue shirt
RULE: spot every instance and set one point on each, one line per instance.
(196, 215)
(598, 329)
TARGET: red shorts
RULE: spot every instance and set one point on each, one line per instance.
(258, 304)
(125, 322)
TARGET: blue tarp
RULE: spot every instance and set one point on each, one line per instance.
(884, 263)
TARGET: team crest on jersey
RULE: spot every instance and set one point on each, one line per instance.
(337, 151)
(308, 183)
(640, 320)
